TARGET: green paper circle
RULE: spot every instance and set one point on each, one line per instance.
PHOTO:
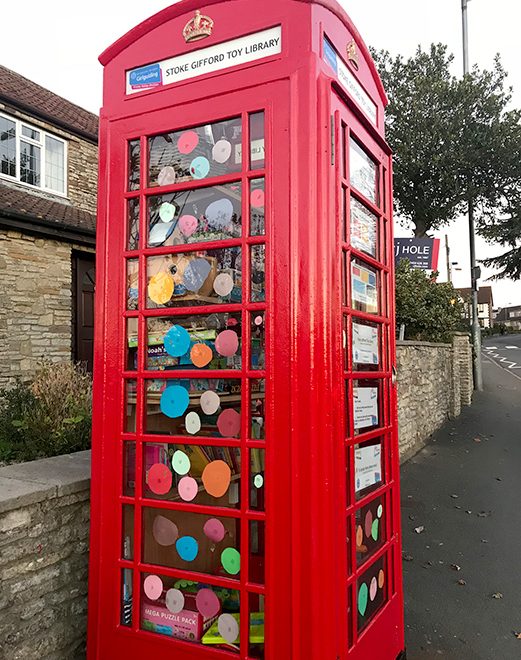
(180, 462)
(363, 593)
(231, 561)
(379, 511)
(374, 529)
(258, 481)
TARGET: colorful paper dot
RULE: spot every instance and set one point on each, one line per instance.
(228, 628)
(180, 462)
(214, 530)
(229, 423)
(207, 603)
(231, 561)
(216, 478)
(174, 601)
(227, 343)
(362, 598)
(187, 548)
(164, 531)
(153, 587)
(199, 167)
(192, 423)
(159, 479)
(174, 401)
(187, 489)
(176, 341)
(209, 402)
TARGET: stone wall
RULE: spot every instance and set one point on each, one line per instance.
(35, 303)
(44, 529)
(434, 382)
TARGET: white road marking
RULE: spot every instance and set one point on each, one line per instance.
(490, 348)
(500, 367)
(511, 346)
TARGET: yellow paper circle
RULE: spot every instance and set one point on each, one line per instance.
(160, 288)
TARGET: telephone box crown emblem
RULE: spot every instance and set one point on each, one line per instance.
(198, 27)
(352, 53)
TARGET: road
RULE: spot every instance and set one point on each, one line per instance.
(462, 576)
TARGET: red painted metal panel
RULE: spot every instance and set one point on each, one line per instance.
(311, 574)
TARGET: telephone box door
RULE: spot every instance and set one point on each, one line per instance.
(186, 371)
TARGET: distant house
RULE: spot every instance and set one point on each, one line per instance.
(485, 305)
(48, 180)
(509, 316)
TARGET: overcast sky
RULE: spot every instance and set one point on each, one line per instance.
(56, 43)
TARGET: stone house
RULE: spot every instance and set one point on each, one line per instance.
(48, 180)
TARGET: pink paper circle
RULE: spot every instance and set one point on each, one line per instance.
(153, 587)
(166, 176)
(207, 603)
(373, 589)
(229, 423)
(258, 320)
(368, 523)
(222, 150)
(227, 343)
(165, 532)
(187, 488)
(187, 142)
(214, 530)
(257, 198)
(159, 479)
(187, 224)
(210, 402)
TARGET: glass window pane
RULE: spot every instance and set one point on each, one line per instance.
(371, 592)
(54, 164)
(369, 467)
(193, 612)
(366, 342)
(258, 273)
(257, 199)
(258, 341)
(213, 474)
(132, 344)
(195, 153)
(257, 551)
(257, 398)
(195, 278)
(195, 216)
(370, 529)
(364, 288)
(185, 342)
(126, 597)
(364, 228)
(127, 549)
(30, 133)
(132, 283)
(191, 541)
(363, 172)
(134, 163)
(194, 406)
(256, 602)
(257, 153)
(133, 224)
(367, 405)
(29, 163)
(130, 406)
(7, 146)
(257, 489)
(129, 468)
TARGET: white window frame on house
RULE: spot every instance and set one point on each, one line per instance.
(41, 144)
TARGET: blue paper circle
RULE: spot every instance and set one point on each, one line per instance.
(199, 167)
(196, 273)
(187, 548)
(174, 401)
(177, 341)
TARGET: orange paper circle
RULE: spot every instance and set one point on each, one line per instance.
(160, 288)
(381, 578)
(216, 478)
(359, 536)
(201, 355)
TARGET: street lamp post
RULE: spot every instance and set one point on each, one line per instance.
(474, 270)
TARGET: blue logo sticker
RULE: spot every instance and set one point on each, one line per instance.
(330, 55)
(146, 77)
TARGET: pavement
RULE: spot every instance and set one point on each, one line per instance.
(461, 519)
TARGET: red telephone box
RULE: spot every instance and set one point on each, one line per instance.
(245, 498)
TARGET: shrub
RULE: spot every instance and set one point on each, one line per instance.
(47, 416)
(430, 311)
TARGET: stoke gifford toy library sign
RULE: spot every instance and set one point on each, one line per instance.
(206, 60)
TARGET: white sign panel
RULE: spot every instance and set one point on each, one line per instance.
(365, 344)
(365, 407)
(349, 82)
(206, 60)
(368, 466)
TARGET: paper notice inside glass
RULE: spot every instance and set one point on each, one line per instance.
(365, 344)
(368, 466)
(363, 288)
(363, 228)
(365, 407)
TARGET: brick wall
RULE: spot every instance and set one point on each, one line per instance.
(44, 529)
(434, 382)
(35, 303)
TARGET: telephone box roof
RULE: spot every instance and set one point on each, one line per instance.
(185, 6)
